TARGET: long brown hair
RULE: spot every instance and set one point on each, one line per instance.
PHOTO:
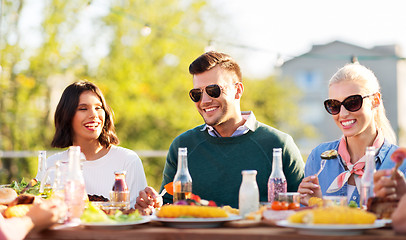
(66, 109)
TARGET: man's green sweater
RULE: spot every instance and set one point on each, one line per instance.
(215, 163)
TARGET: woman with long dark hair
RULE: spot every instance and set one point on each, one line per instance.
(82, 118)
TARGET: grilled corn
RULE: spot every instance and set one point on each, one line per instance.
(315, 201)
(175, 211)
(333, 215)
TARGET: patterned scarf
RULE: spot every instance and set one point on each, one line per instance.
(356, 168)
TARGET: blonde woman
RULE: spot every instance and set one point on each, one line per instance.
(355, 103)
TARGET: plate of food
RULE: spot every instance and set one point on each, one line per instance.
(115, 224)
(189, 222)
(95, 216)
(331, 229)
(193, 216)
(332, 220)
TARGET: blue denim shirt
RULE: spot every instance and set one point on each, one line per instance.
(335, 166)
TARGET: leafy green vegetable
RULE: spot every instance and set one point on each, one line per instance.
(353, 204)
(34, 190)
(94, 214)
(120, 217)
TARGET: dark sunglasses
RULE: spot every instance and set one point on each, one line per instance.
(213, 91)
(352, 103)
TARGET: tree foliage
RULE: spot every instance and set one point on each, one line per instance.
(137, 52)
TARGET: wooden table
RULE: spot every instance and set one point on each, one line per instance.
(152, 231)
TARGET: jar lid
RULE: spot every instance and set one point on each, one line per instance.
(248, 172)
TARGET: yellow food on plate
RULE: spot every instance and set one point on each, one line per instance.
(176, 211)
(256, 215)
(231, 210)
(17, 210)
(333, 215)
(315, 201)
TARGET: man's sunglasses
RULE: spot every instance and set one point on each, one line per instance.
(352, 103)
(213, 91)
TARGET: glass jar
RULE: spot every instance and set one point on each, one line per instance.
(120, 195)
(249, 194)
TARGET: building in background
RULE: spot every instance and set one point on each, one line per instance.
(312, 71)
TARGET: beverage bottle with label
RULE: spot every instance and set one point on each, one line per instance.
(182, 182)
(248, 200)
(367, 179)
(75, 192)
(277, 181)
(119, 193)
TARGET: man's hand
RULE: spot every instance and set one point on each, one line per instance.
(147, 200)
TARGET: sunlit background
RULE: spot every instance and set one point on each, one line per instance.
(138, 53)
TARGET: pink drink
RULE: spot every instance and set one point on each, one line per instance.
(275, 186)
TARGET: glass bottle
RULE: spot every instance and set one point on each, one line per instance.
(248, 199)
(42, 166)
(182, 182)
(120, 184)
(75, 192)
(367, 179)
(277, 181)
(119, 194)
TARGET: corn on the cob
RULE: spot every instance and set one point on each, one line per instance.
(175, 211)
(333, 215)
(315, 201)
(17, 210)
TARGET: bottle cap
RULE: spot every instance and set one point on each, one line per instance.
(182, 151)
(248, 172)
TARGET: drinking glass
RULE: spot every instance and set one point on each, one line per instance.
(289, 197)
(334, 201)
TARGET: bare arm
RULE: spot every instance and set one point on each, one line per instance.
(40, 216)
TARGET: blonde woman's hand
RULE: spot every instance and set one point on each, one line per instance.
(309, 187)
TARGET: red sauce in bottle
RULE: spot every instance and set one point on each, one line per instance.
(120, 184)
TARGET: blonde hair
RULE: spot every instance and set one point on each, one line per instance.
(369, 84)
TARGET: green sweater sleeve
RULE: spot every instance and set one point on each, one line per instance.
(293, 165)
(169, 171)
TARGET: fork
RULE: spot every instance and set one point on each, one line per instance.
(322, 164)
(163, 192)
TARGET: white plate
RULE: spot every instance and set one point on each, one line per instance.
(331, 229)
(195, 222)
(116, 225)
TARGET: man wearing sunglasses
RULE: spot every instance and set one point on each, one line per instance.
(230, 140)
